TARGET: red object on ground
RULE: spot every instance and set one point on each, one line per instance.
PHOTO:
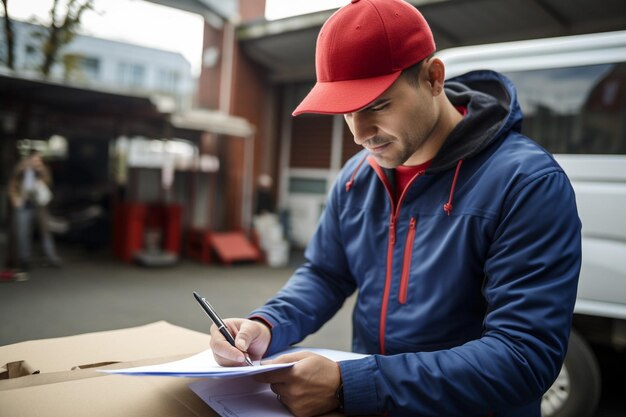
(132, 220)
(6, 276)
(128, 230)
(199, 245)
(233, 247)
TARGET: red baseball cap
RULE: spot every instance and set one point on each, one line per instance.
(361, 50)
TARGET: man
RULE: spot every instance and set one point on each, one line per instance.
(460, 235)
(30, 194)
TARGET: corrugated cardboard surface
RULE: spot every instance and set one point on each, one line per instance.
(59, 391)
(105, 395)
(153, 340)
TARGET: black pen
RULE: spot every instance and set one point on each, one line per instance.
(221, 326)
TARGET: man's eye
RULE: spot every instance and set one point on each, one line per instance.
(379, 108)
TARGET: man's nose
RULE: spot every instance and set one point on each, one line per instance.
(362, 128)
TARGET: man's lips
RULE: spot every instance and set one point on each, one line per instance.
(378, 148)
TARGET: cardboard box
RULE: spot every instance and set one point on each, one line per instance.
(67, 385)
(62, 389)
(154, 340)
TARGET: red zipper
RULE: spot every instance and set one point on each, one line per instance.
(383, 310)
(406, 262)
(395, 210)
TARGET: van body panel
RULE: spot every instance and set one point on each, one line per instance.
(572, 91)
(600, 185)
(602, 276)
(537, 54)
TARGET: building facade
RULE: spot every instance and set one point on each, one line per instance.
(110, 65)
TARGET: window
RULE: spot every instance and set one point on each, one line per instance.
(168, 80)
(81, 68)
(307, 186)
(89, 66)
(575, 110)
(31, 56)
(130, 75)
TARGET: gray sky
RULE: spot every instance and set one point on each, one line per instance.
(117, 20)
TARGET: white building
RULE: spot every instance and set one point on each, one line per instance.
(115, 66)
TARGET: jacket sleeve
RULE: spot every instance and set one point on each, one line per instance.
(316, 291)
(531, 276)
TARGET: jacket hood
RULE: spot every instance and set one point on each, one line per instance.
(492, 111)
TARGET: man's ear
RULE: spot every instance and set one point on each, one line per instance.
(436, 73)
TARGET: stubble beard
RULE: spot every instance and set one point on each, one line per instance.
(402, 154)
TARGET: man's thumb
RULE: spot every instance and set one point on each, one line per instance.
(241, 341)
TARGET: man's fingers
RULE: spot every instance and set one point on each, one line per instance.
(251, 339)
(289, 358)
(225, 361)
(276, 388)
(246, 334)
(230, 355)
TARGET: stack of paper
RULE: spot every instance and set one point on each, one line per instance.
(198, 366)
(242, 397)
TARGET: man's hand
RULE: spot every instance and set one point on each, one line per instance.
(309, 387)
(250, 336)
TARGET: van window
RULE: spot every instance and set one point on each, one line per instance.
(575, 110)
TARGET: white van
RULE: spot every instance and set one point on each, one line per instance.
(572, 91)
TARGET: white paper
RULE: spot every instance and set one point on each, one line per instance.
(244, 397)
(201, 365)
(240, 397)
(231, 391)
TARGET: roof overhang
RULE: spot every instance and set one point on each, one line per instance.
(212, 121)
(286, 47)
(82, 103)
(213, 11)
(74, 99)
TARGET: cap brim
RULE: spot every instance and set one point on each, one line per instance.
(341, 97)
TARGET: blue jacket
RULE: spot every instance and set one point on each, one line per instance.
(466, 287)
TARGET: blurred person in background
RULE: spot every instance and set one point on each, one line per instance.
(30, 194)
(460, 235)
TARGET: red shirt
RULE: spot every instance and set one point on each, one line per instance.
(404, 175)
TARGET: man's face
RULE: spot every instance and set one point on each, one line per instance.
(396, 127)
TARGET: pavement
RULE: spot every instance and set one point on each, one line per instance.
(96, 292)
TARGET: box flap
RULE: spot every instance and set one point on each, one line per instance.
(155, 340)
(77, 373)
